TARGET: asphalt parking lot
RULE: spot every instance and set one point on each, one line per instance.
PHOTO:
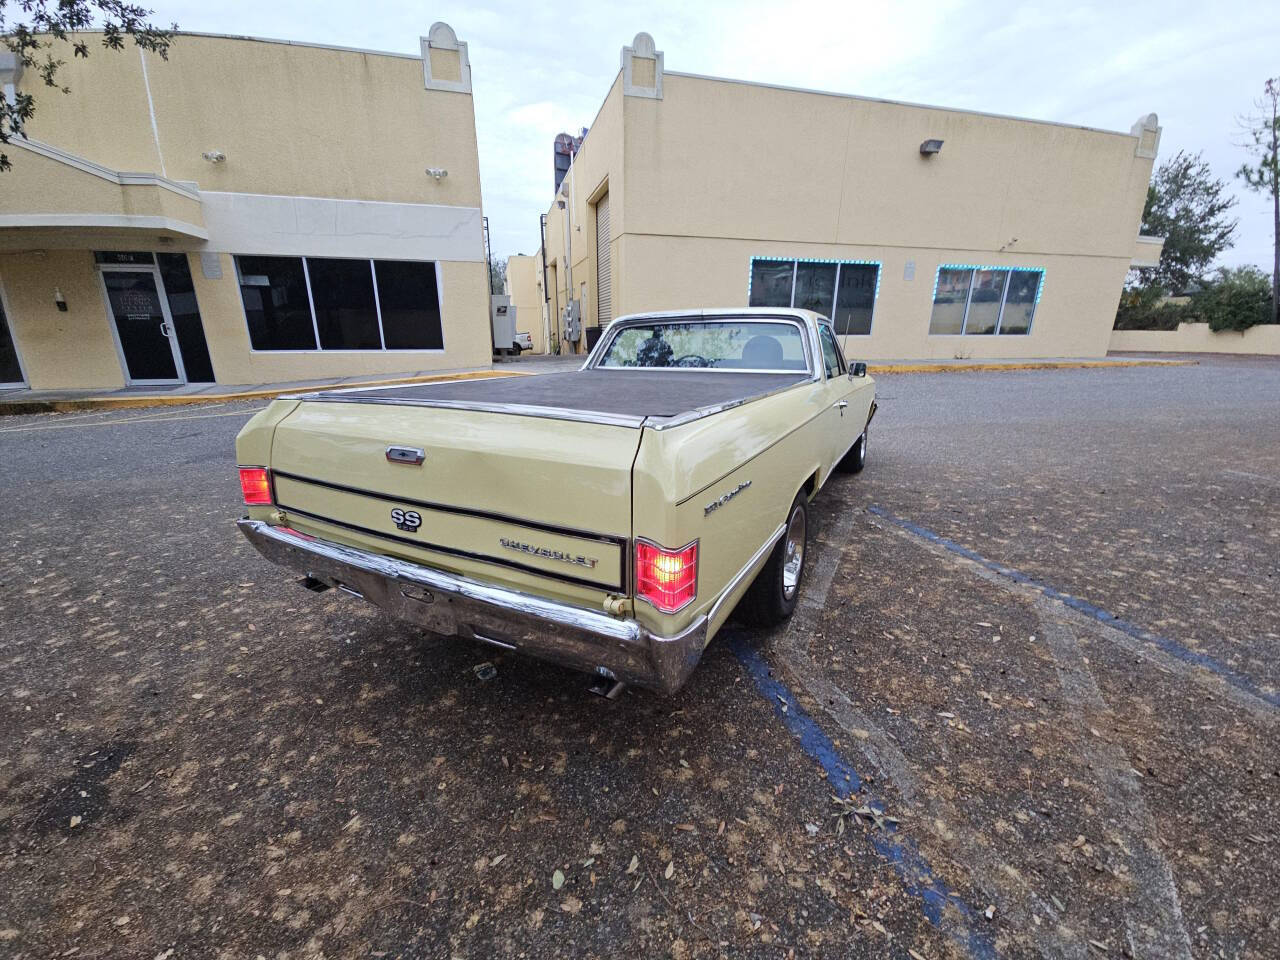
(1028, 707)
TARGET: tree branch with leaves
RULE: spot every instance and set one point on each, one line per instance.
(1263, 174)
(1190, 208)
(35, 32)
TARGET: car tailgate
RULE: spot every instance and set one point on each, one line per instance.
(538, 503)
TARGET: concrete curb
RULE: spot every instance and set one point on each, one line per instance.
(983, 365)
(18, 407)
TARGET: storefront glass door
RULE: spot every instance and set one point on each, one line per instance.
(10, 371)
(144, 329)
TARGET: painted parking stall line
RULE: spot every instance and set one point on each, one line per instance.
(1167, 645)
(899, 851)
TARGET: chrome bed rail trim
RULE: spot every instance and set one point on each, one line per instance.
(513, 409)
(680, 419)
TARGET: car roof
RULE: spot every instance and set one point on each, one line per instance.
(713, 312)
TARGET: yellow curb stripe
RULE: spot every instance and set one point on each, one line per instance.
(145, 400)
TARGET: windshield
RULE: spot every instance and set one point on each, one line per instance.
(760, 346)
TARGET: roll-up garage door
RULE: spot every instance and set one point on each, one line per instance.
(604, 268)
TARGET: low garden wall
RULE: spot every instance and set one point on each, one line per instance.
(1198, 338)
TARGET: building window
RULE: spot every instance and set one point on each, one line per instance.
(324, 303)
(274, 290)
(842, 290)
(976, 301)
(410, 306)
(342, 297)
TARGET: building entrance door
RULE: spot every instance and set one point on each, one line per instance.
(10, 368)
(144, 329)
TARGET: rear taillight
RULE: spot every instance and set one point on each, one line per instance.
(255, 482)
(668, 579)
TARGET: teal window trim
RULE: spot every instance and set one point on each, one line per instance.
(1035, 304)
(875, 297)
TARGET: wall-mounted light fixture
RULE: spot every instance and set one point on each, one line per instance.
(214, 156)
(930, 147)
(437, 173)
(560, 204)
(59, 300)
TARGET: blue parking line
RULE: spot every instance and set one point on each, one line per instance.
(903, 856)
(1169, 646)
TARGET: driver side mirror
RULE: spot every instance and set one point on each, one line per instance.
(859, 369)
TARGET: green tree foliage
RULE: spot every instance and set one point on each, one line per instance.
(1263, 175)
(498, 276)
(34, 31)
(1191, 209)
(1236, 300)
(1147, 308)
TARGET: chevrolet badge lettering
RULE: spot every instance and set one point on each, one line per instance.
(549, 554)
(716, 504)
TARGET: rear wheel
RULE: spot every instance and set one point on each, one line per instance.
(856, 458)
(772, 598)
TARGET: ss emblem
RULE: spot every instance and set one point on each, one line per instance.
(409, 520)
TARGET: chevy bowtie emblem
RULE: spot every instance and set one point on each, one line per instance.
(410, 455)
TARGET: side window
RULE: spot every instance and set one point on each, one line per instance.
(831, 356)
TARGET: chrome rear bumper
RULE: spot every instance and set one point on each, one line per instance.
(576, 637)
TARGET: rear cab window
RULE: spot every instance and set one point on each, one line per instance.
(746, 345)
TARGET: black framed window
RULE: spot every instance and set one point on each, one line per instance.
(342, 297)
(410, 305)
(844, 291)
(329, 303)
(855, 299)
(815, 287)
(771, 282)
(276, 303)
(982, 301)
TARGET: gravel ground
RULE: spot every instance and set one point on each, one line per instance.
(205, 761)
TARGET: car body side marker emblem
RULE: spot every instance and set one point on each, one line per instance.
(410, 455)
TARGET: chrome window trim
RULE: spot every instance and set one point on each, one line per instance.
(807, 334)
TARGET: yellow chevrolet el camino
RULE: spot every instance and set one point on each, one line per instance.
(609, 518)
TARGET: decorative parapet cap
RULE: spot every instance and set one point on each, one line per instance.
(445, 64)
(642, 68)
(1147, 130)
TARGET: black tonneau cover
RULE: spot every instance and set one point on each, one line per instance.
(647, 393)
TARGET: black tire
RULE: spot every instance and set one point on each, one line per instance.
(856, 458)
(769, 601)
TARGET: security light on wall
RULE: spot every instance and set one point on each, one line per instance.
(930, 147)
(214, 156)
(437, 173)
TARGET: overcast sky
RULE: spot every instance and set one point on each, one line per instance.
(538, 69)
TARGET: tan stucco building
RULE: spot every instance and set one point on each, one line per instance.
(921, 231)
(524, 286)
(247, 211)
